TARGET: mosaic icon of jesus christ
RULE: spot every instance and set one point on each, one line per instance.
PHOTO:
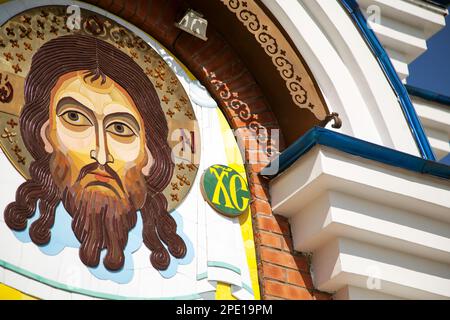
(94, 125)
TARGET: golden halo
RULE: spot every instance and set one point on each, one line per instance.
(25, 33)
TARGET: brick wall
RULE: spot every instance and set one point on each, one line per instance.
(283, 273)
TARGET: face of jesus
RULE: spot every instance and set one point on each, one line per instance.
(100, 150)
(99, 159)
(95, 122)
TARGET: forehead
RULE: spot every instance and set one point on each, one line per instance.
(102, 99)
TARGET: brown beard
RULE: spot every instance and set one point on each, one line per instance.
(100, 220)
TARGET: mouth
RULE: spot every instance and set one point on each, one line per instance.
(101, 176)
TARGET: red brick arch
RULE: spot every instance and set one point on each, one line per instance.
(283, 273)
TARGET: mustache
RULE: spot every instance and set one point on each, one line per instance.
(95, 166)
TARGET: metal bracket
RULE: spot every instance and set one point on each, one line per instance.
(332, 116)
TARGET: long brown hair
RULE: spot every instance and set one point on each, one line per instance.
(81, 52)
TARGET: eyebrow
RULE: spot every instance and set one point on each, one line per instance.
(132, 120)
(69, 100)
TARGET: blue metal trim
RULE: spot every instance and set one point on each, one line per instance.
(224, 265)
(428, 95)
(383, 59)
(94, 294)
(361, 148)
(440, 3)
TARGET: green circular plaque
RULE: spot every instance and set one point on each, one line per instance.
(225, 190)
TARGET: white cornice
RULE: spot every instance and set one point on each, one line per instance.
(367, 225)
(403, 28)
(429, 6)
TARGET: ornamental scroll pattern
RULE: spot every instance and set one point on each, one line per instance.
(278, 49)
(267, 139)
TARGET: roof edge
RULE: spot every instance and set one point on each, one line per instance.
(353, 10)
(356, 147)
(428, 95)
(437, 6)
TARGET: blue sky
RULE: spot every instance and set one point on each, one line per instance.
(432, 69)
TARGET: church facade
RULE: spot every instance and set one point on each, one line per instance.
(221, 149)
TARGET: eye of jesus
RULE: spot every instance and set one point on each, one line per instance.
(120, 129)
(75, 118)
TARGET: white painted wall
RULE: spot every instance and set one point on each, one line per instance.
(403, 27)
(435, 119)
(374, 231)
(347, 72)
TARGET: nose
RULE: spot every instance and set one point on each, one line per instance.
(101, 153)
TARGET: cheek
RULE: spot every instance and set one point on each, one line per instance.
(125, 152)
(126, 155)
(76, 146)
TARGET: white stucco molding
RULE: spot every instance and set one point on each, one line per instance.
(403, 27)
(345, 262)
(435, 119)
(355, 293)
(326, 169)
(352, 81)
(358, 217)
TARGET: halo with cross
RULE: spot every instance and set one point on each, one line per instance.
(25, 33)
